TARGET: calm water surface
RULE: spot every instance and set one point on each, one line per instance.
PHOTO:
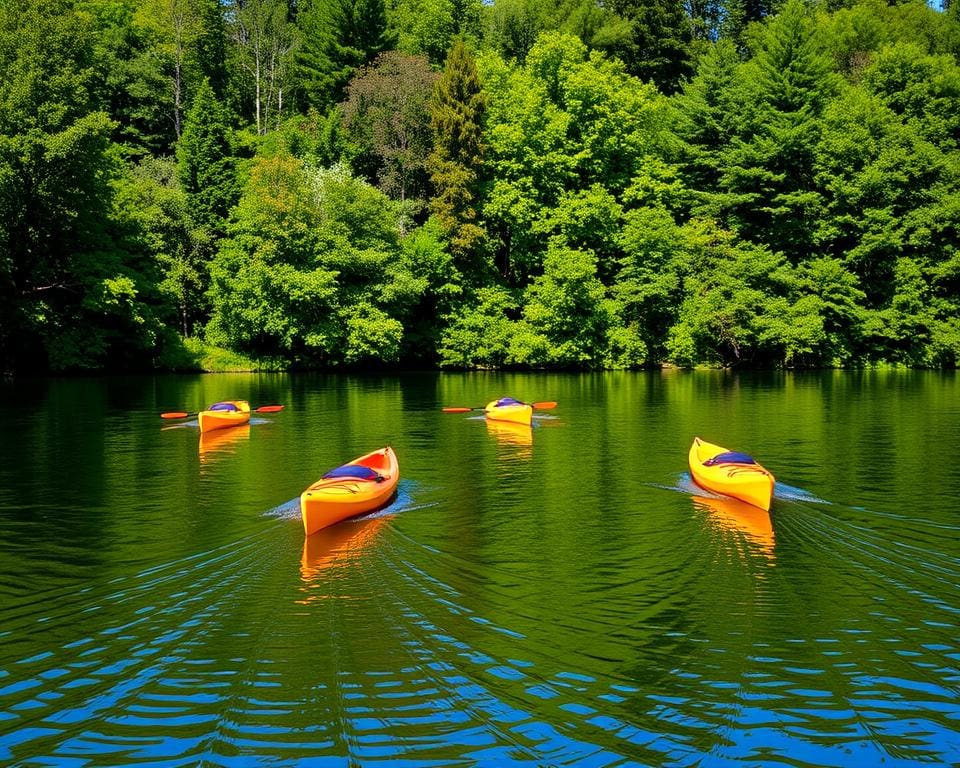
(561, 596)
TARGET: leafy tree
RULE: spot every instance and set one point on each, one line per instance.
(387, 116)
(513, 27)
(456, 117)
(479, 333)
(428, 27)
(69, 291)
(177, 28)
(530, 160)
(338, 37)
(300, 276)
(129, 82)
(423, 286)
(157, 211)
(565, 316)
(923, 90)
(648, 287)
(264, 44)
(737, 307)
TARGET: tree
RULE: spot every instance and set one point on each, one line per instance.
(456, 116)
(206, 163)
(264, 44)
(70, 294)
(565, 316)
(658, 49)
(131, 83)
(301, 274)
(338, 37)
(175, 26)
(387, 116)
(768, 189)
(428, 27)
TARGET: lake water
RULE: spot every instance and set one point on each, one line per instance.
(561, 596)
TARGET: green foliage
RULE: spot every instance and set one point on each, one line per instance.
(300, 274)
(565, 315)
(386, 115)
(205, 162)
(767, 185)
(70, 292)
(558, 196)
(428, 27)
(479, 333)
(658, 47)
(422, 285)
(456, 117)
(337, 38)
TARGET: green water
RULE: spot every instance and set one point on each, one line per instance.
(559, 597)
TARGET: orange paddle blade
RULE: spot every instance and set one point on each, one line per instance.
(545, 406)
(269, 408)
(458, 410)
(174, 415)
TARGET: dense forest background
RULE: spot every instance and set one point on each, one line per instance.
(215, 184)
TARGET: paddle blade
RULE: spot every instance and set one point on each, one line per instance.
(174, 415)
(545, 406)
(456, 410)
(268, 409)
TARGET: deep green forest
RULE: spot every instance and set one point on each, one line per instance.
(222, 184)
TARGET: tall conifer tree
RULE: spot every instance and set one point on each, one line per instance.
(456, 115)
(337, 38)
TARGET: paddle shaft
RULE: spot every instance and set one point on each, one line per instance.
(544, 406)
(184, 415)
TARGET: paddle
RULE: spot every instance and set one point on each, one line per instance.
(544, 406)
(184, 415)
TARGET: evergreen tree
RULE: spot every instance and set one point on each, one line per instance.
(206, 164)
(338, 37)
(770, 194)
(206, 170)
(456, 114)
(658, 49)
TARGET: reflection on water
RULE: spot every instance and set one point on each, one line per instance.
(222, 441)
(737, 518)
(338, 546)
(513, 435)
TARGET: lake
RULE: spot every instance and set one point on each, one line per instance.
(558, 596)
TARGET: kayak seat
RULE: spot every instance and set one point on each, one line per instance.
(355, 471)
(223, 407)
(730, 457)
(507, 401)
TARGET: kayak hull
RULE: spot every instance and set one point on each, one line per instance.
(219, 419)
(330, 500)
(751, 483)
(515, 414)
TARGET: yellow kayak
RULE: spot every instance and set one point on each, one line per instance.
(730, 473)
(360, 486)
(508, 409)
(229, 413)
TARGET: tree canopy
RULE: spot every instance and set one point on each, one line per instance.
(556, 184)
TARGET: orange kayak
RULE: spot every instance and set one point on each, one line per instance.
(730, 473)
(229, 413)
(352, 489)
(508, 409)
